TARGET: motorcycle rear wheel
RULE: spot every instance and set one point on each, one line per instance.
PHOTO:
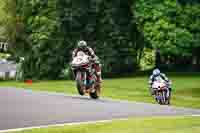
(96, 94)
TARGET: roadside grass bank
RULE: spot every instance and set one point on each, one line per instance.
(138, 125)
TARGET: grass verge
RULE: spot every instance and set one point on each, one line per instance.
(144, 125)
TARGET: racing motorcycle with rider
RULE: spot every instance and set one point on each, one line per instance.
(160, 87)
(87, 70)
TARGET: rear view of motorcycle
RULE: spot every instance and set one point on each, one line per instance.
(86, 80)
(162, 93)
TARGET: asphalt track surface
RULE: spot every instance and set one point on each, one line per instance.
(21, 108)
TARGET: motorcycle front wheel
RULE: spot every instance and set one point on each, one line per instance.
(79, 83)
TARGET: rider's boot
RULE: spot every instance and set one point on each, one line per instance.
(99, 78)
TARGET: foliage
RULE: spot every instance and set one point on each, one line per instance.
(3, 17)
(49, 30)
(8, 21)
(43, 55)
(147, 60)
(170, 26)
(4, 55)
(45, 32)
(106, 26)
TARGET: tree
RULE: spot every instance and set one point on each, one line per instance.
(39, 27)
(8, 21)
(108, 28)
(163, 27)
(50, 29)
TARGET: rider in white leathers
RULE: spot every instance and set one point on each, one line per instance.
(156, 73)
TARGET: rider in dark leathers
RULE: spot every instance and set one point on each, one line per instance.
(82, 46)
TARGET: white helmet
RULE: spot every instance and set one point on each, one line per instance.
(82, 44)
(156, 72)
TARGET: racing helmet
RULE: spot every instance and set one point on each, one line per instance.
(156, 72)
(82, 44)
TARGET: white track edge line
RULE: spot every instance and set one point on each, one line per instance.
(58, 125)
(197, 115)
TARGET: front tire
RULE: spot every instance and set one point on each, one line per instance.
(169, 98)
(79, 83)
(160, 98)
(163, 97)
(80, 91)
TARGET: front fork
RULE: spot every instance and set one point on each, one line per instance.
(168, 93)
(85, 78)
(81, 77)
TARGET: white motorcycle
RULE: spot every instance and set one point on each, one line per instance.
(86, 80)
(162, 93)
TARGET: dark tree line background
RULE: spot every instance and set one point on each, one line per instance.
(120, 31)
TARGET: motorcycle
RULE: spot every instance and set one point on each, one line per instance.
(86, 80)
(162, 93)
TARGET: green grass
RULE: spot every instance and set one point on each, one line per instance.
(147, 125)
(186, 89)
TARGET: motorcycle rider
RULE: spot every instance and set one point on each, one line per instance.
(82, 46)
(157, 73)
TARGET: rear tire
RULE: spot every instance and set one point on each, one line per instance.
(97, 92)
